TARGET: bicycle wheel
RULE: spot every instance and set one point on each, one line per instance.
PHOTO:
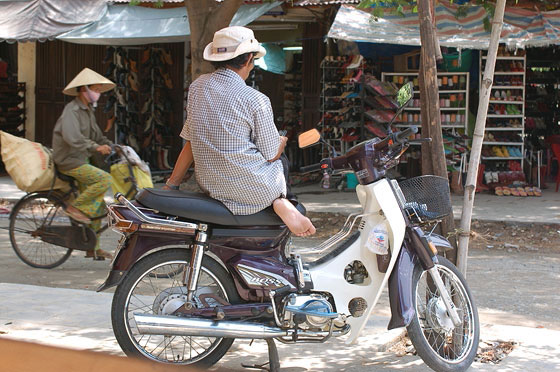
(28, 220)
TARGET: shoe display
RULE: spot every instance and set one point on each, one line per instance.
(110, 123)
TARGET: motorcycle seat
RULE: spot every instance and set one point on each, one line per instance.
(202, 208)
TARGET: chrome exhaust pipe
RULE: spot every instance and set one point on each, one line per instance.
(176, 326)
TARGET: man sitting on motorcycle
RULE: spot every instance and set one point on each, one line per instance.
(231, 136)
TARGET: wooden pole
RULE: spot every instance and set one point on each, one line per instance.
(433, 155)
(205, 18)
(485, 91)
(429, 91)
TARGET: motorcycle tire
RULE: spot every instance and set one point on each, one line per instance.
(27, 218)
(443, 347)
(156, 269)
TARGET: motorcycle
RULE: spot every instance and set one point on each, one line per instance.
(191, 277)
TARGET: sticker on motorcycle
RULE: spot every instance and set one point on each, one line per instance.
(377, 241)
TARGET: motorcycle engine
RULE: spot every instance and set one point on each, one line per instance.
(308, 311)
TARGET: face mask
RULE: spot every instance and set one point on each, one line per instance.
(92, 96)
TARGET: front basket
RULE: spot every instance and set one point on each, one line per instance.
(428, 197)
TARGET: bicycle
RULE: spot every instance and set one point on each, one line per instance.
(42, 235)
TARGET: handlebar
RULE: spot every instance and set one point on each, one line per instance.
(402, 136)
(341, 162)
(310, 168)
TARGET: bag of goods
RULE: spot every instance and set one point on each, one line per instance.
(28, 163)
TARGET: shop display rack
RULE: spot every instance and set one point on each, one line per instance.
(140, 103)
(12, 110)
(503, 139)
(454, 114)
(341, 105)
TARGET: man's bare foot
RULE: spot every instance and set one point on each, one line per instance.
(298, 224)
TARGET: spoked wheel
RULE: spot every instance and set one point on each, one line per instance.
(441, 345)
(155, 286)
(29, 222)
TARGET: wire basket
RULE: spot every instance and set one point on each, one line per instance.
(427, 197)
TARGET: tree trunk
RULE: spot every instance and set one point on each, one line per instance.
(205, 18)
(485, 90)
(433, 155)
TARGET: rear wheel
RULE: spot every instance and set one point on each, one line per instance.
(28, 220)
(155, 285)
(442, 346)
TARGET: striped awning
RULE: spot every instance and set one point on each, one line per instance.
(522, 28)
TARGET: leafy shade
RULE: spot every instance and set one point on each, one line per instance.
(395, 6)
(398, 7)
(157, 4)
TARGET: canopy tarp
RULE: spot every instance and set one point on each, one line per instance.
(522, 28)
(136, 25)
(42, 20)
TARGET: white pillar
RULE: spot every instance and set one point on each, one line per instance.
(27, 57)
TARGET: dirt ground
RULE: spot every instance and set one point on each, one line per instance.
(507, 236)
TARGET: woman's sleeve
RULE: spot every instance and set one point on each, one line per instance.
(70, 129)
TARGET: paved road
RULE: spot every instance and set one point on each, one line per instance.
(513, 291)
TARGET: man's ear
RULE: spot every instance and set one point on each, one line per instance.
(251, 57)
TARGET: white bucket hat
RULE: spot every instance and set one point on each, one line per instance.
(88, 77)
(231, 42)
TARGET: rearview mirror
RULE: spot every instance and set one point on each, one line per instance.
(404, 95)
(308, 138)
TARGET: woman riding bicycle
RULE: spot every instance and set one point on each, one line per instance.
(76, 137)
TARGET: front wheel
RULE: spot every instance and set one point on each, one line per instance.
(443, 347)
(155, 285)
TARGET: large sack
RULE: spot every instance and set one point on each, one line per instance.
(28, 163)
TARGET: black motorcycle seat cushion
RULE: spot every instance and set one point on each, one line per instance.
(199, 207)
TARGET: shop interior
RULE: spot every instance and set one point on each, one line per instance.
(358, 82)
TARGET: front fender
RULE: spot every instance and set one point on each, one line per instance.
(400, 288)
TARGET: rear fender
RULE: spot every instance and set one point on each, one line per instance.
(134, 247)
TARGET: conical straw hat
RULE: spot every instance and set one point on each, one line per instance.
(88, 77)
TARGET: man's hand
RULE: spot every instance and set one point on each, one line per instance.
(283, 141)
(103, 149)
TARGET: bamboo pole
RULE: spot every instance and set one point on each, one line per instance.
(485, 91)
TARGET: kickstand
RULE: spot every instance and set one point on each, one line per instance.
(273, 359)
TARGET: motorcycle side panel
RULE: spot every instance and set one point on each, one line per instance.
(247, 241)
(400, 289)
(329, 276)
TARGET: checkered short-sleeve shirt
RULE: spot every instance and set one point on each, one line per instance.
(232, 133)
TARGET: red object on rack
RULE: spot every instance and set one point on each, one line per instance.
(554, 142)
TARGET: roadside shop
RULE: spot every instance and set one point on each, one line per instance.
(522, 130)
